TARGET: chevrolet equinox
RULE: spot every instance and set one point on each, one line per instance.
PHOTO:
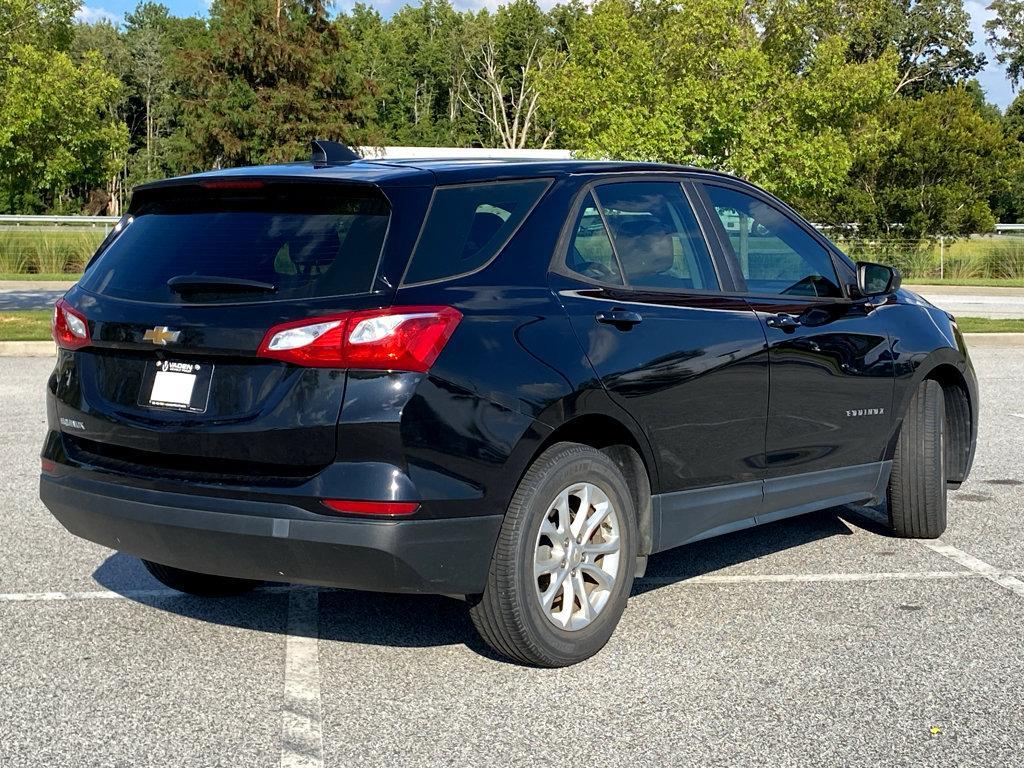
(508, 380)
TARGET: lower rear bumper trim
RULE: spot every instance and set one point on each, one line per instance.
(279, 542)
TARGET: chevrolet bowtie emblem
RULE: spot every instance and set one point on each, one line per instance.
(161, 335)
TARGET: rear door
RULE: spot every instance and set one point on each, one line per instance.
(178, 304)
(831, 366)
(686, 360)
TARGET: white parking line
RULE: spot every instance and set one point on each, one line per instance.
(302, 743)
(746, 579)
(1009, 580)
(975, 569)
(135, 595)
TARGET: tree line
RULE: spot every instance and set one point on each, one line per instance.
(861, 112)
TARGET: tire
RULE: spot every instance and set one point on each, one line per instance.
(194, 583)
(509, 615)
(917, 485)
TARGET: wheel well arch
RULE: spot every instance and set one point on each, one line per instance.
(613, 438)
(959, 420)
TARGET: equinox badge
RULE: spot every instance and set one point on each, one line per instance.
(161, 335)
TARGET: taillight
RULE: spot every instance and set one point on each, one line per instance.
(361, 507)
(70, 328)
(394, 339)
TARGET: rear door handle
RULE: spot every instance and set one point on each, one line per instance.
(784, 321)
(619, 318)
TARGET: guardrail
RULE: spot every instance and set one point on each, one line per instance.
(15, 220)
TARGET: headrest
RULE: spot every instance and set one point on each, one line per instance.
(485, 226)
(644, 245)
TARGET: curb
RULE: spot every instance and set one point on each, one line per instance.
(27, 349)
(48, 349)
(994, 340)
(947, 289)
(28, 286)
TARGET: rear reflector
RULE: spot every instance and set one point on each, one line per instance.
(393, 339)
(49, 465)
(69, 327)
(359, 507)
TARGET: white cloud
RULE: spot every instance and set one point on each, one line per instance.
(89, 15)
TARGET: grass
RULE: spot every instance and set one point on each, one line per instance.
(997, 282)
(47, 250)
(36, 276)
(25, 325)
(34, 325)
(991, 325)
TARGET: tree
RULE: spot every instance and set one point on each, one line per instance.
(58, 137)
(506, 68)
(1006, 35)
(146, 40)
(936, 175)
(270, 77)
(697, 84)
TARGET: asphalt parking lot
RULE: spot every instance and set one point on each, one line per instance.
(815, 641)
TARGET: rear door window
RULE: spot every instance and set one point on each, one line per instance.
(656, 236)
(301, 241)
(590, 251)
(468, 224)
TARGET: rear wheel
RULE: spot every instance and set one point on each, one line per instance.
(209, 585)
(917, 485)
(563, 566)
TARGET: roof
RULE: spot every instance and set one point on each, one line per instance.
(431, 171)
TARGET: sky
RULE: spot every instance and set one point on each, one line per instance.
(993, 78)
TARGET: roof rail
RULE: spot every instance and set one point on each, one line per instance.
(326, 153)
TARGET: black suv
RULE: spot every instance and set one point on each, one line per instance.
(511, 381)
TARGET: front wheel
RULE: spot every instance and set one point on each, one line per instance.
(194, 583)
(917, 485)
(564, 563)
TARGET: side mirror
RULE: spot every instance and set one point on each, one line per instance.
(875, 279)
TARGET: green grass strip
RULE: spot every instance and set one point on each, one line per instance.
(25, 325)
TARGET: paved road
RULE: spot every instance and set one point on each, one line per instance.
(975, 301)
(29, 299)
(817, 641)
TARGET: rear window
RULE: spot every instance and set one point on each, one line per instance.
(292, 241)
(468, 224)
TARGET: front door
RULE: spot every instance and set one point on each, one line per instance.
(688, 362)
(831, 376)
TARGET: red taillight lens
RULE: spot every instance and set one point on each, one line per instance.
(70, 328)
(395, 339)
(360, 507)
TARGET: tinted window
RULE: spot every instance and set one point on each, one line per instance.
(590, 251)
(656, 236)
(467, 225)
(305, 242)
(776, 256)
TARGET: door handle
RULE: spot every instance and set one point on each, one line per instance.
(619, 318)
(784, 321)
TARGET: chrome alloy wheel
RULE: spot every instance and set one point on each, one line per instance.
(576, 562)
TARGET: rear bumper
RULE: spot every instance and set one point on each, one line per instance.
(275, 541)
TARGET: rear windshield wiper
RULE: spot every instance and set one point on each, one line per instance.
(188, 284)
